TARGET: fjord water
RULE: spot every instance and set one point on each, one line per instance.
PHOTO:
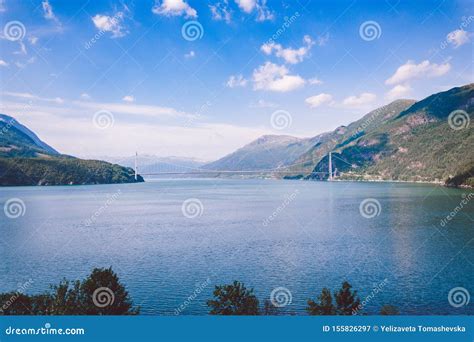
(299, 235)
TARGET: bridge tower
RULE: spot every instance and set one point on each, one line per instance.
(330, 166)
(136, 165)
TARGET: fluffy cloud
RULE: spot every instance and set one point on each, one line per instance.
(290, 55)
(128, 98)
(236, 81)
(174, 8)
(359, 101)
(275, 78)
(318, 100)
(221, 11)
(3, 63)
(315, 81)
(458, 38)
(397, 92)
(248, 6)
(113, 24)
(190, 54)
(410, 70)
(48, 11)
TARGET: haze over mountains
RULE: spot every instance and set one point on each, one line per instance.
(429, 140)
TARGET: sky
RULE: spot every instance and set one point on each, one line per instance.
(200, 79)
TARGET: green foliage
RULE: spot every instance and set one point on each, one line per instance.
(389, 310)
(347, 301)
(233, 299)
(62, 171)
(74, 298)
(324, 306)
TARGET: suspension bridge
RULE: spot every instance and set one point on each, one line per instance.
(332, 173)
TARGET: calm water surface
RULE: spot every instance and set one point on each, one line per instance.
(299, 235)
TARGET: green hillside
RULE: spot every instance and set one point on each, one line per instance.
(26, 160)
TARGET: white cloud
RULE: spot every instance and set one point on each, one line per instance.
(85, 96)
(48, 11)
(290, 55)
(248, 6)
(458, 38)
(33, 40)
(397, 92)
(410, 70)
(236, 81)
(221, 11)
(190, 54)
(315, 81)
(322, 40)
(3, 63)
(318, 100)
(275, 78)
(29, 96)
(128, 98)
(113, 24)
(263, 104)
(174, 8)
(359, 101)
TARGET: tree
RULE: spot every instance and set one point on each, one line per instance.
(346, 300)
(389, 310)
(324, 306)
(101, 293)
(233, 299)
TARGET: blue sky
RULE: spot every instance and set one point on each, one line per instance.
(96, 78)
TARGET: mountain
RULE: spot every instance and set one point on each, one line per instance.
(417, 144)
(148, 164)
(26, 160)
(265, 153)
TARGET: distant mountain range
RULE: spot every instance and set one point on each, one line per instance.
(431, 140)
(149, 164)
(404, 140)
(26, 160)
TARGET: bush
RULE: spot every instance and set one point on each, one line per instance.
(233, 299)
